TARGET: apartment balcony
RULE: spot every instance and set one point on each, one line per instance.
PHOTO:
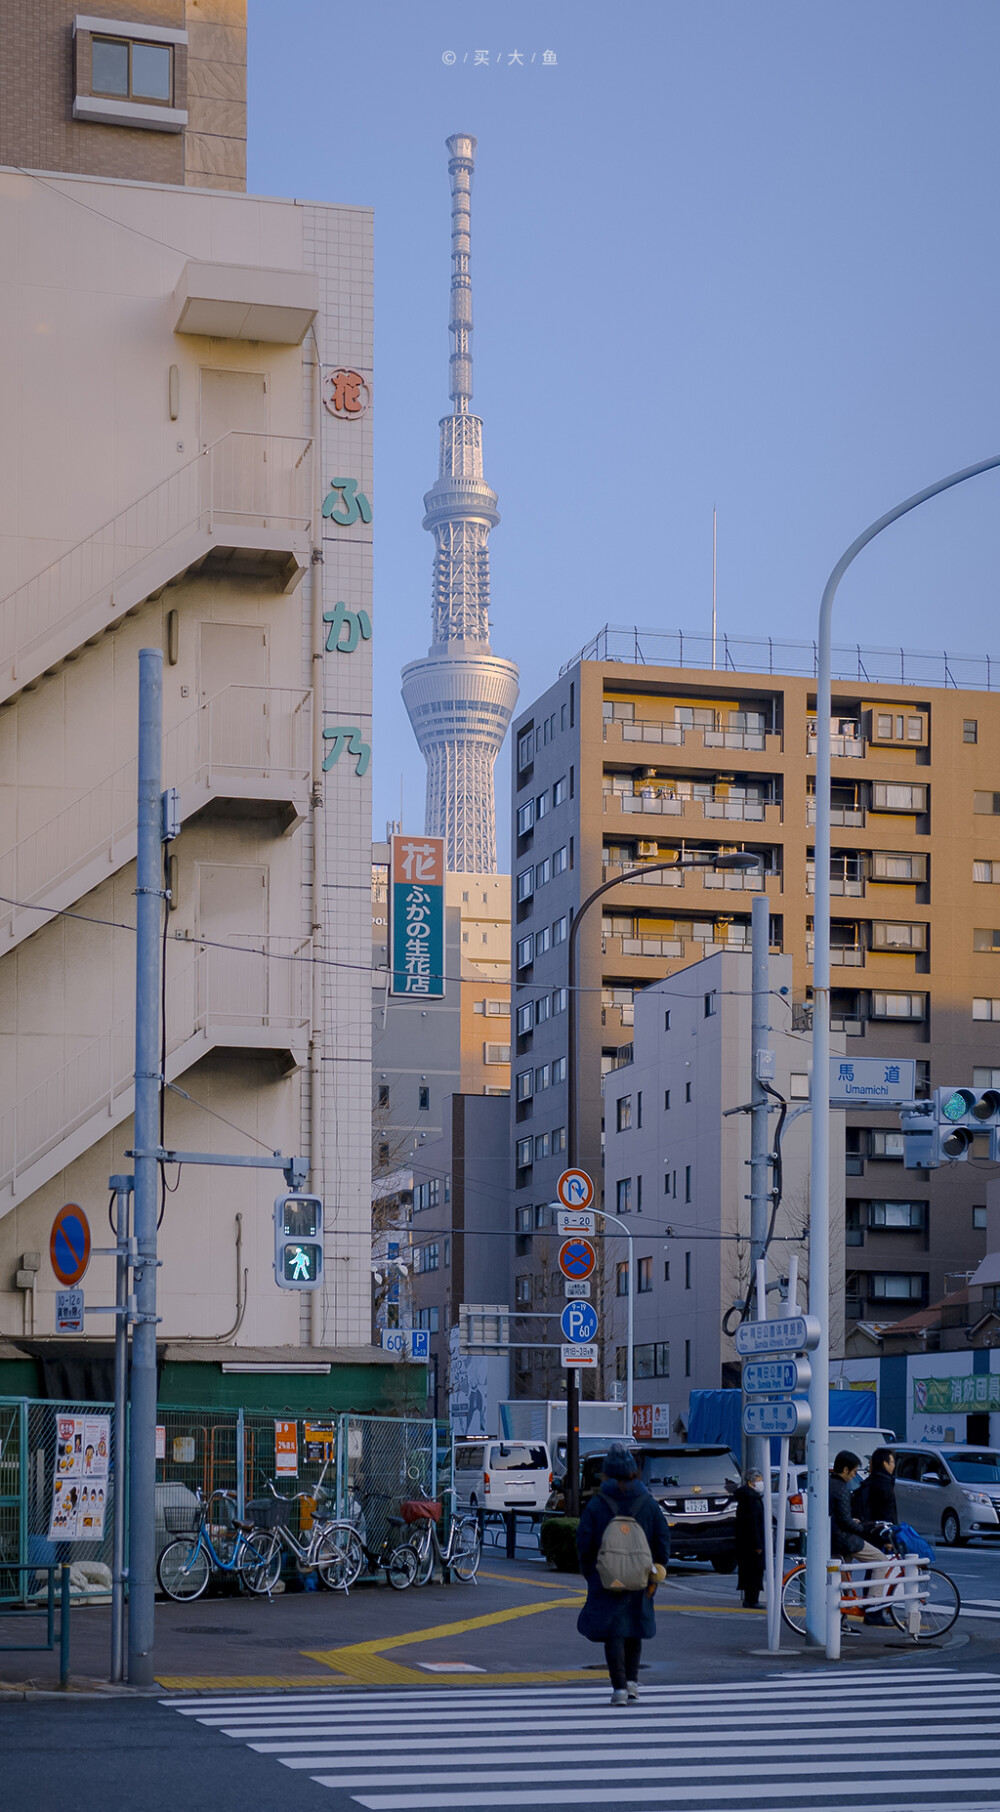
(842, 956)
(243, 505)
(690, 736)
(653, 803)
(846, 882)
(736, 881)
(848, 816)
(230, 997)
(843, 748)
(248, 742)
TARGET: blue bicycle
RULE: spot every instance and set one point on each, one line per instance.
(187, 1564)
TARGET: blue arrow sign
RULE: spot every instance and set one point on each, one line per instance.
(778, 1417)
(578, 1322)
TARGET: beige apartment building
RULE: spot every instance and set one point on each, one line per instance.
(186, 449)
(634, 753)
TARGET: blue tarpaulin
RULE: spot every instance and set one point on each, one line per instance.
(714, 1415)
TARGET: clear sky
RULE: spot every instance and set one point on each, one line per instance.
(730, 252)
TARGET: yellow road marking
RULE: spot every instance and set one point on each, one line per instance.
(540, 1585)
(224, 1682)
(367, 1662)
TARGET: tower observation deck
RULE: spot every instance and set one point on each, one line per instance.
(460, 700)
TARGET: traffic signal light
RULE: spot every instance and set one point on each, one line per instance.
(942, 1130)
(298, 1241)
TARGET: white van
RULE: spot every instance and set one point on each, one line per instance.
(502, 1475)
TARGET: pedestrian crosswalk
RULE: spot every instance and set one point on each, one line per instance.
(830, 1741)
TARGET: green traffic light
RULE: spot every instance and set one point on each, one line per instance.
(957, 1105)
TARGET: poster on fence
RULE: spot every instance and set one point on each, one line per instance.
(80, 1478)
(286, 1450)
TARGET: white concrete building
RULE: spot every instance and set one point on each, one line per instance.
(185, 449)
(677, 1165)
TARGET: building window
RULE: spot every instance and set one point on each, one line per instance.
(132, 71)
(558, 1000)
(650, 1360)
(897, 865)
(542, 1009)
(541, 806)
(853, 1228)
(986, 871)
(983, 1076)
(984, 940)
(522, 1289)
(897, 1286)
(985, 1009)
(621, 1278)
(904, 1217)
(523, 1153)
(426, 1318)
(523, 1219)
(430, 1257)
(666, 1020)
(560, 930)
(970, 729)
(541, 941)
(687, 1270)
(687, 1091)
(383, 1094)
(638, 1195)
(525, 951)
(624, 1195)
(525, 1019)
(543, 871)
(687, 1358)
(424, 1099)
(525, 884)
(525, 1085)
(496, 1053)
(421, 1196)
(644, 1280)
(447, 1251)
(986, 804)
(666, 1100)
(666, 1270)
(559, 1069)
(541, 1214)
(711, 1004)
(525, 748)
(542, 1078)
(892, 936)
(888, 796)
(541, 1146)
(558, 1140)
(899, 1006)
(885, 1144)
(434, 1192)
(624, 1112)
(798, 1087)
(525, 817)
(497, 1009)
(979, 1217)
(560, 860)
(559, 790)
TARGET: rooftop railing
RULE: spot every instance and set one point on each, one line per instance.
(852, 662)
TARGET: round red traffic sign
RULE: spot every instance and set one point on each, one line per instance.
(577, 1258)
(575, 1189)
(69, 1244)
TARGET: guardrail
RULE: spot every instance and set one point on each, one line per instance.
(907, 1589)
(23, 1609)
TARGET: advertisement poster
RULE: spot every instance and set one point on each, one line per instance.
(416, 916)
(967, 1394)
(80, 1481)
(286, 1450)
(320, 1443)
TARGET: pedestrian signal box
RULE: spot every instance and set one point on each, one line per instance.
(298, 1242)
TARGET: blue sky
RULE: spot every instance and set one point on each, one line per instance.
(729, 252)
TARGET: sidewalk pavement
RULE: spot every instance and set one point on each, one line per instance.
(516, 1626)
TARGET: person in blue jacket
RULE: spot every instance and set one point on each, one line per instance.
(620, 1620)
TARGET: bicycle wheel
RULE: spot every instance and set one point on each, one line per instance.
(260, 1563)
(183, 1569)
(793, 1600)
(467, 1551)
(422, 1543)
(401, 1567)
(339, 1559)
(934, 1614)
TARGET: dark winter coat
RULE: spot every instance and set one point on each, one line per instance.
(846, 1534)
(750, 1539)
(607, 1615)
(880, 1497)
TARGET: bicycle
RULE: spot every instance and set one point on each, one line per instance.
(331, 1548)
(397, 1558)
(461, 1553)
(186, 1565)
(926, 1617)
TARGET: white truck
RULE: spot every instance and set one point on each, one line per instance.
(541, 1419)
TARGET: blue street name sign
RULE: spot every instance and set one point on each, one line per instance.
(788, 1334)
(777, 1418)
(578, 1322)
(776, 1377)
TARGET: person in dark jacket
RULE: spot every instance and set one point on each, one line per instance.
(847, 1536)
(750, 1539)
(620, 1619)
(880, 1492)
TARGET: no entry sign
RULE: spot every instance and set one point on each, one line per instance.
(69, 1244)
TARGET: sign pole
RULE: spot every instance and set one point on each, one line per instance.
(122, 1186)
(764, 1462)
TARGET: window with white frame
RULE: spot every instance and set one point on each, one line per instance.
(542, 1077)
(891, 796)
(560, 860)
(623, 1195)
(984, 1076)
(541, 1146)
(525, 884)
(523, 1153)
(542, 940)
(902, 1217)
(985, 1008)
(986, 871)
(560, 930)
(525, 951)
(542, 1009)
(985, 940)
(543, 871)
(496, 1053)
(897, 1286)
(798, 1087)
(897, 865)
(525, 1085)
(559, 790)
(558, 1069)
(899, 1006)
(885, 1144)
(525, 1019)
(558, 1000)
(525, 817)
(987, 805)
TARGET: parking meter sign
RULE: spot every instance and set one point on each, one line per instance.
(577, 1258)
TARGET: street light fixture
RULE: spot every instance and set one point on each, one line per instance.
(732, 860)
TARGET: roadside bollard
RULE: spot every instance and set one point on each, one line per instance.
(64, 1625)
(833, 1610)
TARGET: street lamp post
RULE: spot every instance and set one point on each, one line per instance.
(735, 860)
(819, 1184)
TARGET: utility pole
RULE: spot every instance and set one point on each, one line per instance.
(142, 1422)
(760, 1176)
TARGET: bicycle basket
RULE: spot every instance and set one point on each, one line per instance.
(419, 1510)
(265, 1512)
(181, 1519)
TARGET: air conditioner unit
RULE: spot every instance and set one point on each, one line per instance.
(649, 849)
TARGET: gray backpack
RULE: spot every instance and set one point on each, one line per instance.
(624, 1561)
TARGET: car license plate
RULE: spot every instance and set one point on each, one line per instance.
(518, 1490)
(693, 1506)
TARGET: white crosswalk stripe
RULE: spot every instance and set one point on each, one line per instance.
(831, 1741)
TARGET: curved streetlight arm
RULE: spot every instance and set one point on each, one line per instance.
(818, 1440)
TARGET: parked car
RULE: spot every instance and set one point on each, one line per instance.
(950, 1493)
(694, 1486)
(796, 1511)
(502, 1475)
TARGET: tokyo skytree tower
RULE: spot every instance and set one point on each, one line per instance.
(462, 697)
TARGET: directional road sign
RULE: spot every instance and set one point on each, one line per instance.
(776, 1377)
(575, 1189)
(872, 1081)
(783, 1417)
(573, 1220)
(69, 1244)
(579, 1322)
(69, 1311)
(578, 1355)
(577, 1258)
(786, 1334)
(576, 1289)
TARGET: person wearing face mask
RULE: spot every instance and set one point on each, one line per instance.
(750, 1539)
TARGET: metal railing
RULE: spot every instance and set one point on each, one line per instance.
(846, 748)
(261, 480)
(637, 647)
(252, 732)
(221, 987)
(24, 1609)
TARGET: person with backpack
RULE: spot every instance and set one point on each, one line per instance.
(624, 1545)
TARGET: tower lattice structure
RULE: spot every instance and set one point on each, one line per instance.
(460, 700)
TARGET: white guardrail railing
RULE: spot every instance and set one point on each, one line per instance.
(234, 987)
(872, 1591)
(261, 480)
(251, 733)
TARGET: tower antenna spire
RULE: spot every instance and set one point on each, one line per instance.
(461, 699)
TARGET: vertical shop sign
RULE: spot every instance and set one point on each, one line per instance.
(416, 917)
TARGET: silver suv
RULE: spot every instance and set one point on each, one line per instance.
(948, 1492)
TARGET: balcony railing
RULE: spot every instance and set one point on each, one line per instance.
(233, 992)
(735, 739)
(842, 956)
(644, 730)
(668, 805)
(749, 811)
(849, 816)
(259, 481)
(848, 748)
(748, 881)
(662, 878)
(656, 730)
(843, 886)
(259, 735)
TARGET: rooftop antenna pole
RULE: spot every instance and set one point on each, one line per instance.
(715, 568)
